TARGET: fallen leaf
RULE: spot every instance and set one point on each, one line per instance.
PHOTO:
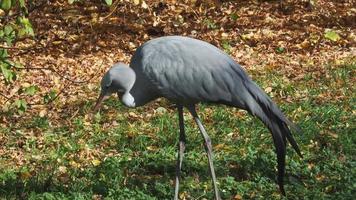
(151, 148)
(268, 89)
(96, 162)
(25, 175)
(136, 2)
(332, 35)
(133, 115)
(144, 5)
(43, 113)
(62, 169)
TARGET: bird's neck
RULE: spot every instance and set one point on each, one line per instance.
(142, 91)
(127, 98)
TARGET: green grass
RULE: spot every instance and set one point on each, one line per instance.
(135, 158)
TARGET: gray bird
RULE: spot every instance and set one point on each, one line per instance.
(188, 71)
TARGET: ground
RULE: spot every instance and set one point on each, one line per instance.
(58, 149)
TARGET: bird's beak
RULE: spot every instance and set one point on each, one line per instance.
(100, 100)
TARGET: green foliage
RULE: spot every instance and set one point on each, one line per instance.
(7, 175)
(6, 4)
(280, 49)
(226, 46)
(21, 105)
(234, 16)
(25, 27)
(7, 34)
(31, 90)
(3, 54)
(49, 97)
(332, 35)
(22, 3)
(7, 72)
(108, 2)
(210, 24)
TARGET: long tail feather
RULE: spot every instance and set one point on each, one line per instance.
(260, 105)
(273, 113)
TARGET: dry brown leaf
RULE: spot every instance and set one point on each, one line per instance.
(268, 89)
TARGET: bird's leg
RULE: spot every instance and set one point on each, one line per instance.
(181, 148)
(208, 149)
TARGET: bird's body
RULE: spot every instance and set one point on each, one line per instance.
(188, 71)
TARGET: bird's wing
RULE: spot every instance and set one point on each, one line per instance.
(191, 71)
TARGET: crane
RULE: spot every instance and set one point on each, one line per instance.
(188, 71)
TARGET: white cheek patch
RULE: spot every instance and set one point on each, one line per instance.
(128, 100)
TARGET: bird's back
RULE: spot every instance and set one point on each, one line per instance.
(188, 71)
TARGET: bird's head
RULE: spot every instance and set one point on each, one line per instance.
(118, 79)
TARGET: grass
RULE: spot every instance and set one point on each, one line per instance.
(134, 158)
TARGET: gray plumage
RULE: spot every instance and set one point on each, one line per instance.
(188, 71)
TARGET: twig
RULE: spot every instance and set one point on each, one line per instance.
(37, 68)
(6, 47)
(7, 98)
(113, 10)
(59, 93)
(200, 196)
(58, 73)
(52, 99)
(20, 50)
(75, 114)
(73, 81)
